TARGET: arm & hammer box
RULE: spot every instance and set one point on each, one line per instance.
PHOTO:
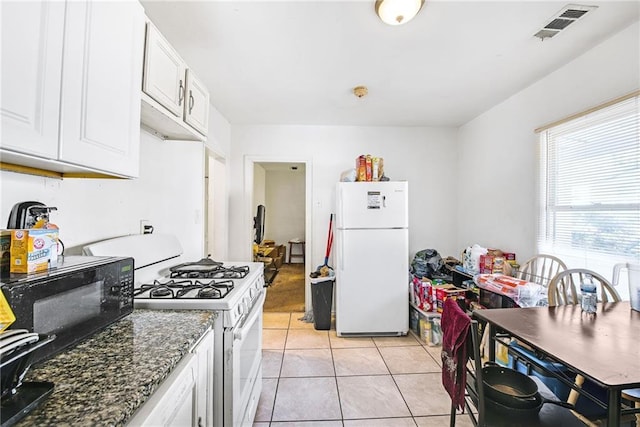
(35, 249)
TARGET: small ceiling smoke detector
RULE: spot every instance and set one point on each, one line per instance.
(360, 91)
(561, 20)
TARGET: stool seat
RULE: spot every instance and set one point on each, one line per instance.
(295, 243)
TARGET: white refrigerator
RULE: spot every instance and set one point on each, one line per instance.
(372, 258)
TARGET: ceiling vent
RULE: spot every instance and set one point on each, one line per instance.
(567, 16)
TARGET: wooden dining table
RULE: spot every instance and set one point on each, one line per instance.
(603, 347)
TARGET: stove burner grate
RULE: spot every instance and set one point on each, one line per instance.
(184, 289)
(217, 272)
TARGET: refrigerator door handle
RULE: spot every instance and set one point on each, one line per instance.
(341, 254)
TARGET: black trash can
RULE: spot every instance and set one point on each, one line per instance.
(321, 300)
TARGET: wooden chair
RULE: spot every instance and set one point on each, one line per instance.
(541, 269)
(564, 287)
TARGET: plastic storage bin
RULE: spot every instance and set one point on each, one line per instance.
(583, 405)
(520, 364)
(322, 301)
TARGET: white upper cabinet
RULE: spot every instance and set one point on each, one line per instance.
(197, 104)
(164, 72)
(32, 34)
(175, 104)
(71, 77)
(104, 42)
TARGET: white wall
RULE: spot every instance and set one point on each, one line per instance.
(219, 136)
(285, 202)
(426, 157)
(497, 179)
(169, 193)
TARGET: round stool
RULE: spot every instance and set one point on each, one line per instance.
(296, 242)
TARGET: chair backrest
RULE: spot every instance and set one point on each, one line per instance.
(474, 386)
(564, 288)
(541, 269)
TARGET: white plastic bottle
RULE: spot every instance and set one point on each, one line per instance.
(589, 296)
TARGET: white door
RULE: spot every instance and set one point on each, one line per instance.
(372, 205)
(32, 36)
(164, 72)
(101, 85)
(196, 106)
(216, 216)
(372, 281)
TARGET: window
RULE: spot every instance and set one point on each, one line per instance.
(590, 188)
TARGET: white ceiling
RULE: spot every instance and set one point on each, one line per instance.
(296, 62)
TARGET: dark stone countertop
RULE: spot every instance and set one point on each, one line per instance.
(103, 380)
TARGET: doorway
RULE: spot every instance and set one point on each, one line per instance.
(216, 235)
(282, 186)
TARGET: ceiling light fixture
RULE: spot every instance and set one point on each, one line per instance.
(360, 91)
(398, 12)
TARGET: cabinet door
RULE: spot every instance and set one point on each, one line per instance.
(196, 109)
(102, 77)
(204, 382)
(173, 403)
(164, 72)
(32, 34)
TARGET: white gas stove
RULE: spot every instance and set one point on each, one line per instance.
(232, 288)
(235, 290)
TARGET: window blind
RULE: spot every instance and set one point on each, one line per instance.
(590, 188)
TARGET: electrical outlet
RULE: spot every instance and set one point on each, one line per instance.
(145, 226)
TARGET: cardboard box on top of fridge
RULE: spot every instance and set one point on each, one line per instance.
(33, 249)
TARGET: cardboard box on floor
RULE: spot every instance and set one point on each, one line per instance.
(281, 256)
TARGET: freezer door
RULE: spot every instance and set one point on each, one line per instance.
(372, 279)
(372, 205)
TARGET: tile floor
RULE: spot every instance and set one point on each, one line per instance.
(315, 378)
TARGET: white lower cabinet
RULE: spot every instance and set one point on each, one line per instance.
(185, 398)
(71, 76)
(203, 351)
(173, 403)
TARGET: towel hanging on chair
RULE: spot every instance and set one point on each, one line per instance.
(455, 329)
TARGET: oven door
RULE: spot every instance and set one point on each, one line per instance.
(245, 359)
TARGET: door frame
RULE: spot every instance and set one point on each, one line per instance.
(249, 163)
(216, 221)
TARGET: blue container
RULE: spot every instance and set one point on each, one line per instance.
(520, 364)
(583, 405)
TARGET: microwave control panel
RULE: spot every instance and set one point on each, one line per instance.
(126, 283)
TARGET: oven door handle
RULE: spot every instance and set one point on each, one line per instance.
(243, 330)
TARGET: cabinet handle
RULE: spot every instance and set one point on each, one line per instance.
(180, 93)
(191, 101)
(199, 421)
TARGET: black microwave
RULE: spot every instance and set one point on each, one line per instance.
(80, 297)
